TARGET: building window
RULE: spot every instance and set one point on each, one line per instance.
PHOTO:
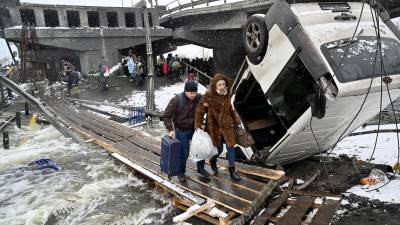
(27, 17)
(93, 19)
(51, 18)
(73, 18)
(112, 19)
(130, 20)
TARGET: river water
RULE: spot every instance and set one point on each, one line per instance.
(90, 188)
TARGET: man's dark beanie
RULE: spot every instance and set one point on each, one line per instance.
(191, 86)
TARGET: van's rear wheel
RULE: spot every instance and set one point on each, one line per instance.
(255, 38)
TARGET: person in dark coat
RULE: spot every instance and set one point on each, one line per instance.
(182, 119)
(221, 118)
(72, 80)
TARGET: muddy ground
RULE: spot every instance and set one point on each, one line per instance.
(338, 175)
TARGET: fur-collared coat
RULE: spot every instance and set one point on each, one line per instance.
(221, 116)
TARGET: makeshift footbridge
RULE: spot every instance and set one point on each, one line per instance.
(218, 200)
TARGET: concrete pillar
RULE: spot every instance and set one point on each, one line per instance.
(90, 60)
(39, 17)
(15, 16)
(228, 61)
(84, 18)
(154, 18)
(139, 18)
(62, 17)
(121, 19)
(103, 18)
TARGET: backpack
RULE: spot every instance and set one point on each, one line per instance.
(181, 100)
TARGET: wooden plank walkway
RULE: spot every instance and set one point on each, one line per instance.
(238, 199)
(294, 208)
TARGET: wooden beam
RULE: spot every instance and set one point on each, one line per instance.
(177, 203)
(256, 204)
(254, 170)
(193, 210)
(6, 122)
(171, 186)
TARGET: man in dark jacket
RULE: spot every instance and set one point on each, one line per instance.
(72, 80)
(179, 119)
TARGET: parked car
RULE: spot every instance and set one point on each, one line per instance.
(307, 72)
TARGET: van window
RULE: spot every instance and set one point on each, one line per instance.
(359, 62)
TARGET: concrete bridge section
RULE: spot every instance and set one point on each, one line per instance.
(86, 36)
(220, 26)
(88, 46)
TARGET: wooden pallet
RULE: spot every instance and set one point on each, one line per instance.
(218, 201)
(299, 208)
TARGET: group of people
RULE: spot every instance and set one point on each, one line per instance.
(169, 67)
(219, 123)
(204, 65)
(135, 67)
(173, 67)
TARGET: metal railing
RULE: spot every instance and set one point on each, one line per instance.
(170, 6)
(197, 70)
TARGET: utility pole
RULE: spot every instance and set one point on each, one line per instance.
(150, 65)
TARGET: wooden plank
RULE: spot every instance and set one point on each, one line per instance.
(159, 179)
(223, 199)
(217, 184)
(119, 118)
(106, 121)
(6, 122)
(94, 129)
(213, 183)
(154, 146)
(177, 203)
(104, 126)
(213, 212)
(193, 210)
(316, 194)
(296, 212)
(325, 213)
(267, 213)
(260, 124)
(88, 135)
(247, 183)
(255, 170)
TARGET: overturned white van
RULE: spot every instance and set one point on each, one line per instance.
(307, 73)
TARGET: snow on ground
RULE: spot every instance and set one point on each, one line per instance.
(361, 146)
(386, 152)
(389, 193)
(138, 99)
(114, 68)
(161, 96)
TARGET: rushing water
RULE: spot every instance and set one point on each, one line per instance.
(90, 188)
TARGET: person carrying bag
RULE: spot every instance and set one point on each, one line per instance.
(220, 120)
(178, 118)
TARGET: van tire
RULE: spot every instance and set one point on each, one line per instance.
(255, 38)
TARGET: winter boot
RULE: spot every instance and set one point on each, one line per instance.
(182, 178)
(234, 174)
(204, 173)
(213, 164)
